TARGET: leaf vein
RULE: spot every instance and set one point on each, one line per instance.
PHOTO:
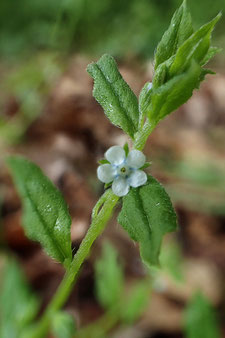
(146, 219)
(117, 97)
(45, 227)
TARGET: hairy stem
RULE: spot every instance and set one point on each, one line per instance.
(142, 135)
(100, 218)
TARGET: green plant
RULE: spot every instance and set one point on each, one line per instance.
(121, 307)
(200, 318)
(18, 305)
(147, 213)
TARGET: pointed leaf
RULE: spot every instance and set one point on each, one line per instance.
(179, 30)
(103, 161)
(179, 71)
(147, 215)
(146, 165)
(114, 95)
(126, 148)
(45, 214)
(173, 93)
(195, 47)
(210, 54)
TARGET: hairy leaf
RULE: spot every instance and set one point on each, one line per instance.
(179, 30)
(179, 70)
(109, 278)
(45, 214)
(147, 215)
(144, 101)
(18, 305)
(173, 93)
(114, 95)
(195, 48)
(145, 94)
(200, 319)
(160, 74)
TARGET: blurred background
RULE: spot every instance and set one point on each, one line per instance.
(48, 114)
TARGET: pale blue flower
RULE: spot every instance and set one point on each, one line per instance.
(124, 171)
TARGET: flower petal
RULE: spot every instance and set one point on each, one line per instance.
(120, 186)
(137, 178)
(115, 155)
(136, 159)
(106, 173)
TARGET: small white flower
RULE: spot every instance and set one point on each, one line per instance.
(123, 171)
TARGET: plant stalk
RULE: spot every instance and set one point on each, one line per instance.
(101, 214)
(142, 135)
(100, 218)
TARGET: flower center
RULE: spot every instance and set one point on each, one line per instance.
(123, 170)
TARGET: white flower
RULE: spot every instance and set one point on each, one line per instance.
(123, 171)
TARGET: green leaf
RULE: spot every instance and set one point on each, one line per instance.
(178, 61)
(103, 161)
(144, 101)
(146, 165)
(171, 261)
(173, 93)
(114, 95)
(18, 305)
(200, 320)
(147, 215)
(160, 74)
(109, 278)
(136, 302)
(210, 54)
(63, 325)
(195, 48)
(126, 148)
(45, 214)
(179, 30)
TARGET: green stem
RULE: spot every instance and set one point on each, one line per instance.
(100, 218)
(142, 135)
